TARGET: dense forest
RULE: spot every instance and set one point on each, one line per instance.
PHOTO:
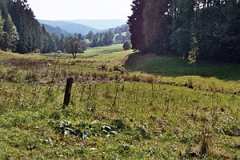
(200, 29)
(21, 32)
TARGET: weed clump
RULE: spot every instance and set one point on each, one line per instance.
(141, 133)
(118, 124)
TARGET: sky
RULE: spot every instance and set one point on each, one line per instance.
(80, 9)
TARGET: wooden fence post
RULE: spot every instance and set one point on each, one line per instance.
(67, 92)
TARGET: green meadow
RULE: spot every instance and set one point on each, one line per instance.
(124, 105)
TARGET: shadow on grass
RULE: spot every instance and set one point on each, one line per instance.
(175, 67)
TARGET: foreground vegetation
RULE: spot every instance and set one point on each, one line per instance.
(123, 106)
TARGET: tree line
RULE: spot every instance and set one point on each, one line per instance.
(20, 32)
(200, 29)
(106, 38)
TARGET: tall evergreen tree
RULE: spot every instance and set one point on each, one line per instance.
(90, 36)
(156, 25)
(1, 28)
(56, 40)
(182, 28)
(45, 41)
(135, 22)
(94, 41)
(62, 43)
(108, 38)
(10, 34)
(19, 17)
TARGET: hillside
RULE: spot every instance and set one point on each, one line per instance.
(69, 26)
(101, 24)
(56, 30)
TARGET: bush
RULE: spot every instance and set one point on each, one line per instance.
(126, 45)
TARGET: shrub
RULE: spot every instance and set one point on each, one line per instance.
(126, 45)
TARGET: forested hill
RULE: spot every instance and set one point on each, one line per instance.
(199, 29)
(101, 24)
(70, 27)
(55, 30)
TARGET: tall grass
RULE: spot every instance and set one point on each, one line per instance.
(114, 113)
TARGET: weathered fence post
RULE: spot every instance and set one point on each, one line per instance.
(67, 92)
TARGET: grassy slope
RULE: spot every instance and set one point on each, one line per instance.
(163, 108)
(200, 74)
(173, 67)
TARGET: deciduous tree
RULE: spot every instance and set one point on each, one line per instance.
(73, 46)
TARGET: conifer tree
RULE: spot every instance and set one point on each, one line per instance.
(10, 34)
(182, 29)
(156, 25)
(1, 28)
(62, 43)
(108, 38)
(135, 22)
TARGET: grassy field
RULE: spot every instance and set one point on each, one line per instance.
(123, 105)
